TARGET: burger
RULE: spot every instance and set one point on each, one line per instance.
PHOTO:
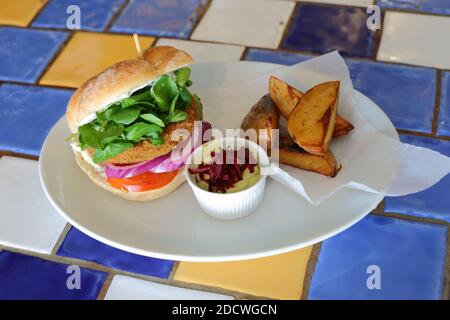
(128, 121)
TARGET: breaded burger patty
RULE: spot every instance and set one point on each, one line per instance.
(145, 150)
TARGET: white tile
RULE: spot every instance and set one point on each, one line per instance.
(416, 39)
(247, 22)
(27, 219)
(355, 3)
(127, 288)
(205, 52)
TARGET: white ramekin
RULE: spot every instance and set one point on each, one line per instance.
(231, 205)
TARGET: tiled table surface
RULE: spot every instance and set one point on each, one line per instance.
(404, 68)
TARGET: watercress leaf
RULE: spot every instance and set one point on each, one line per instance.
(111, 150)
(141, 97)
(108, 112)
(189, 83)
(101, 117)
(111, 133)
(125, 116)
(157, 141)
(182, 76)
(173, 104)
(89, 135)
(140, 129)
(150, 117)
(163, 91)
(186, 97)
(178, 115)
(142, 105)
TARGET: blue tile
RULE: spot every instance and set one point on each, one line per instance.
(79, 245)
(410, 257)
(433, 202)
(164, 18)
(406, 94)
(24, 53)
(28, 278)
(443, 127)
(321, 29)
(432, 6)
(27, 113)
(95, 14)
(279, 57)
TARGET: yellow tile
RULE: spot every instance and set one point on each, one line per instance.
(87, 54)
(279, 277)
(19, 12)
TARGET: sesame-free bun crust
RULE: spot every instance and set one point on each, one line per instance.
(167, 59)
(121, 80)
(101, 181)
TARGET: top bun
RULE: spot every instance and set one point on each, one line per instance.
(120, 81)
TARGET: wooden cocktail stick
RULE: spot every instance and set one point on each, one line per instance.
(138, 45)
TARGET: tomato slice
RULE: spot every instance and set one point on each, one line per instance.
(143, 182)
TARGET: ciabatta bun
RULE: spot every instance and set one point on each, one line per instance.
(120, 81)
(115, 83)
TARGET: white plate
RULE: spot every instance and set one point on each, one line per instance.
(174, 227)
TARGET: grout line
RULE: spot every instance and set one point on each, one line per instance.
(380, 207)
(38, 85)
(200, 12)
(61, 238)
(174, 270)
(410, 218)
(416, 12)
(116, 16)
(18, 155)
(243, 54)
(55, 56)
(288, 25)
(106, 285)
(437, 102)
(44, 6)
(422, 134)
(446, 293)
(310, 268)
(378, 37)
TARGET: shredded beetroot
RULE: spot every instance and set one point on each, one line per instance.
(226, 169)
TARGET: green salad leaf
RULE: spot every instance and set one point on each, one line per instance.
(141, 129)
(152, 118)
(111, 150)
(90, 136)
(164, 91)
(125, 116)
(142, 116)
(182, 76)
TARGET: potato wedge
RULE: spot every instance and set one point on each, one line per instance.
(286, 98)
(291, 154)
(311, 123)
(263, 115)
(341, 127)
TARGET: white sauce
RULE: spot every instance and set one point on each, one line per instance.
(86, 157)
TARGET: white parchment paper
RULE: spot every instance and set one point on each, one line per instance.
(371, 161)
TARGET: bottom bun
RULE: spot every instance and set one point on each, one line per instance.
(101, 181)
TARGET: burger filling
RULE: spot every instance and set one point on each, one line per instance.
(141, 120)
